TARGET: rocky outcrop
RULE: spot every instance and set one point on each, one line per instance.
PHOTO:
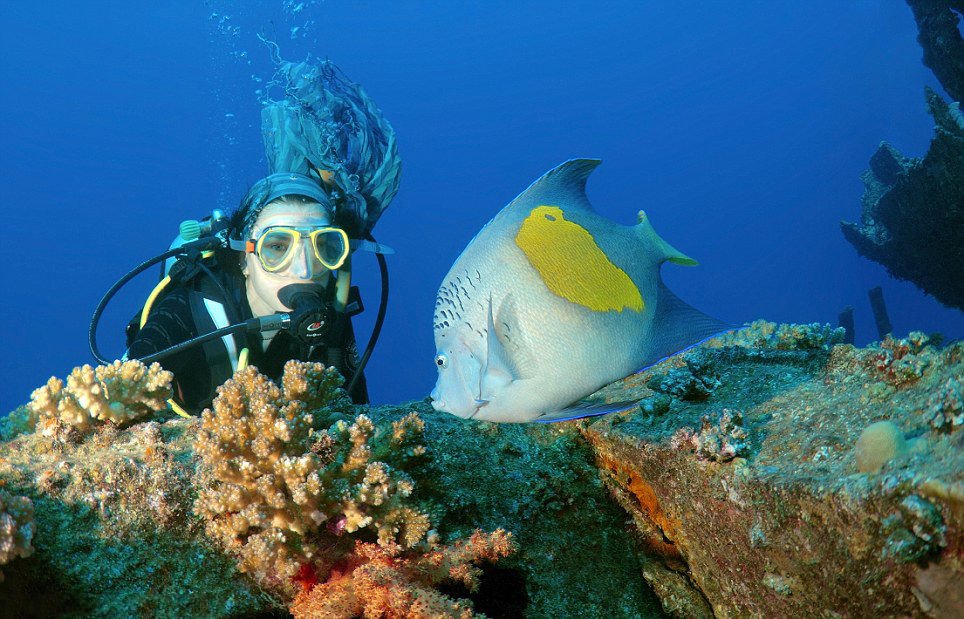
(750, 502)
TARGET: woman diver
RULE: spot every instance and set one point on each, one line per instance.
(284, 225)
(286, 252)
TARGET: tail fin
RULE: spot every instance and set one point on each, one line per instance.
(678, 326)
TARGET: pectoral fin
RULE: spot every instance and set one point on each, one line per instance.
(498, 372)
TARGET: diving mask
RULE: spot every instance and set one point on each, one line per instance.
(277, 245)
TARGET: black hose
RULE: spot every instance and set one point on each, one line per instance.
(248, 324)
(95, 319)
(379, 319)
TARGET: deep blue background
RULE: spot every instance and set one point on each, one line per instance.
(741, 127)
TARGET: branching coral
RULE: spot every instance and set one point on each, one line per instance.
(16, 527)
(387, 581)
(119, 392)
(281, 492)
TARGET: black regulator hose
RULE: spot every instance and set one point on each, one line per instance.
(379, 319)
(252, 325)
(95, 319)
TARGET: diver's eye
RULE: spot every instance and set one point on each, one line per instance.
(441, 361)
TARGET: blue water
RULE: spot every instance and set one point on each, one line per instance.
(741, 127)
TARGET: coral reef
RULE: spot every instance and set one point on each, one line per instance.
(119, 535)
(16, 527)
(383, 580)
(119, 393)
(115, 535)
(912, 220)
(763, 335)
(753, 500)
(901, 361)
(878, 444)
(696, 381)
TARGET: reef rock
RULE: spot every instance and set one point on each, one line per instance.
(765, 512)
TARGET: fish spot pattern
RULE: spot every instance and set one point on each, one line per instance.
(572, 265)
(452, 298)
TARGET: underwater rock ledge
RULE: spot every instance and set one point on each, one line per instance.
(779, 495)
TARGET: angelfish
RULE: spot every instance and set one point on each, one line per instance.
(549, 302)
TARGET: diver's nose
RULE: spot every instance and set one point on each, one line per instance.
(302, 266)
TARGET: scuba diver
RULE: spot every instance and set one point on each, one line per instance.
(272, 281)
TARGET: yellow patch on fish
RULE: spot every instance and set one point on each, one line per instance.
(571, 264)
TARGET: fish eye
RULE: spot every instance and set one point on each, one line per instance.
(441, 361)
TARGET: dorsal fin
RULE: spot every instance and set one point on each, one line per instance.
(564, 184)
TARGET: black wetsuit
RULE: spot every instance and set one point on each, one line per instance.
(181, 315)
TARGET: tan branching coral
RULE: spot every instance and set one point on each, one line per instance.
(387, 581)
(119, 392)
(16, 527)
(282, 492)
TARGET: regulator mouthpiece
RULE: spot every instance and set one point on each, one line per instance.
(311, 318)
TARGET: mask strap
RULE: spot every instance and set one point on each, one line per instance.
(375, 248)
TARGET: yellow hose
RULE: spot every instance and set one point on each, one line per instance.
(158, 288)
(152, 297)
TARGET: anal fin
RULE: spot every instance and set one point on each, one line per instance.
(586, 409)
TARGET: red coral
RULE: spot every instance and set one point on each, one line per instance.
(306, 577)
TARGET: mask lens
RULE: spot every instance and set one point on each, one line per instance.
(330, 248)
(275, 247)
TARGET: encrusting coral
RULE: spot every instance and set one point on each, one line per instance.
(119, 392)
(945, 410)
(762, 334)
(281, 492)
(720, 439)
(16, 527)
(902, 361)
(385, 580)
